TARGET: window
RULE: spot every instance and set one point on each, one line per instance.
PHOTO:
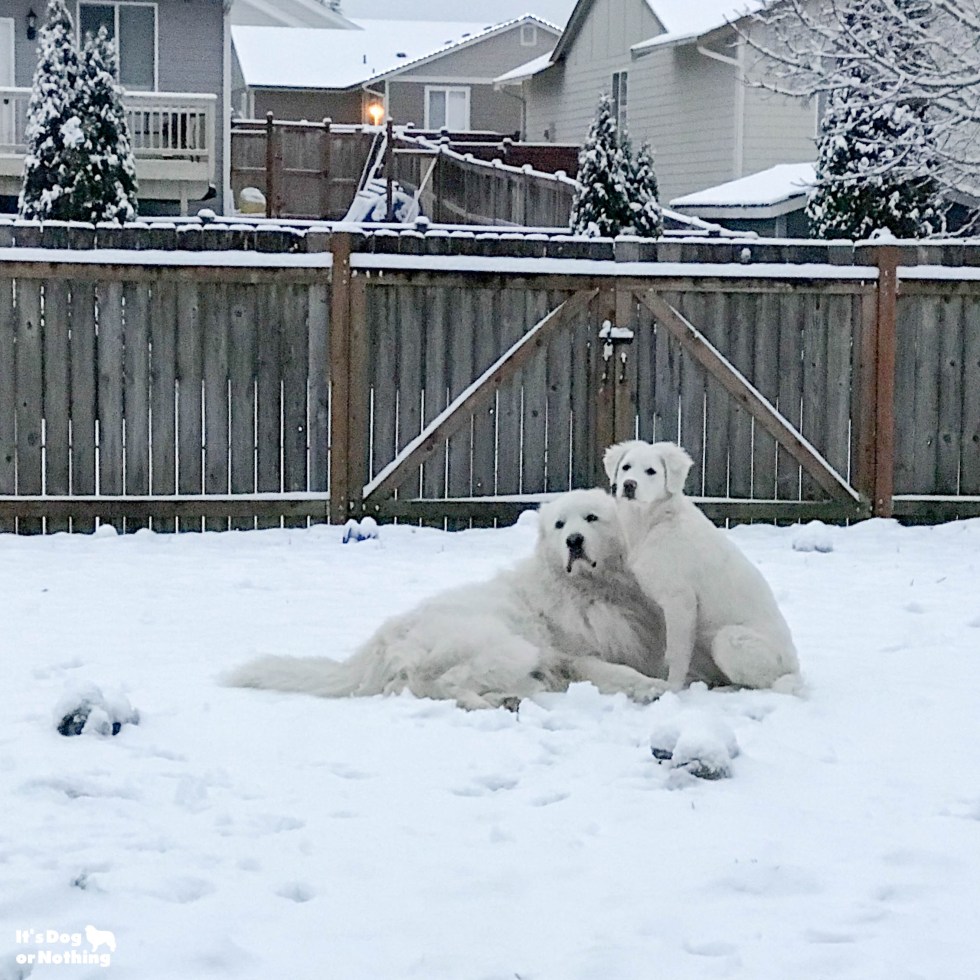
(133, 26)
(529, 35)
(619, 99)
(447, 108)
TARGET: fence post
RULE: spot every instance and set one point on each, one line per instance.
(273, 159)
(886, 258)
(325, 166)
(340, 346)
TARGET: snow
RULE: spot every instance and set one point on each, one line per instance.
(307, 58)
(775, 185)
(528, 70)
(166, 257)
(246, 834)
(684, 20)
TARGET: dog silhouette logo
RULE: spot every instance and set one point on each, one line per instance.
(99, 938)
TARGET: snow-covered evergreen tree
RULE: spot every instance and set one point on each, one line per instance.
(53, 127)
(602, 203)
(105, 186)
(647, 220)
(876, 163)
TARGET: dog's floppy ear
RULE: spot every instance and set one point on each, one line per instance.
(614, 455)
(677, 464)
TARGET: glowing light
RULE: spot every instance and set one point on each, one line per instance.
(376, 112)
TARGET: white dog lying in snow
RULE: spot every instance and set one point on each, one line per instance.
(570, 612)
(720, 613)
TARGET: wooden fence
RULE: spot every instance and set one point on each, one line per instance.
(305, 170)
(456, 378)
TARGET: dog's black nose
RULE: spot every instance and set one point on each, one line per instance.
(629, 489)
(575, 542)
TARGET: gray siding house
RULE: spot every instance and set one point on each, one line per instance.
(173, 65)
(680, 77)
(433, 75)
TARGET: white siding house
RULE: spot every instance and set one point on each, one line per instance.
(680, 76)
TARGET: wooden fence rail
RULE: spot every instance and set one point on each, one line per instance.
(452, 379)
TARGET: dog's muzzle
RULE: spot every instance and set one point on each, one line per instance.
(629, 489)
(576, 550)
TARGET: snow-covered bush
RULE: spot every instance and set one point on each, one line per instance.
(79, 164)
(647, 216)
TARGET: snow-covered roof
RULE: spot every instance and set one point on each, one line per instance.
(523, 72)
(684, 20)
(287, 13)
(310, 58)
(775, 191)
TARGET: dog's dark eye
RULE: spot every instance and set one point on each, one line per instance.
(627, 466)
(651, 471)
(559, 525)
(591, 518)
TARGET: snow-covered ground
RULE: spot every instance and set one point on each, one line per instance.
(245, 834)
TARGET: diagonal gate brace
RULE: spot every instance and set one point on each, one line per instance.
(757, 405)
(477, 395)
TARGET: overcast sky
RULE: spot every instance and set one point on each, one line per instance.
(492, 11)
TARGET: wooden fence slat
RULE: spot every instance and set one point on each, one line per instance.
(586, 360)
(718, 406)
(411, 315)
(436, 390)
(243, 314)
(214, 327)
(970, 442)
(268, 395)
(295, 356)
(790, 391)
(559, 408)
(765, 376)
(843, 332)
(741, 319)
(668, 379)
(57, 395)
(691, 386)
(30, 382)
(645, 355)
(510, 417)
(319, 388)
(950, 419)
(486, 348)
(382, 308)
(926, 411)
(84, 395)
(8, 399)
(535, 404)
(136, 298)
(815, 383)
(190, 357)
(163, 396)
(460, 375)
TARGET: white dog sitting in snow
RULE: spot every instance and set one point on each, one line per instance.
(570, 612)
(720, 613)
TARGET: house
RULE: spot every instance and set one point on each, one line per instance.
(172, 65)
(770, 203)
(679, 76)
(433, 74)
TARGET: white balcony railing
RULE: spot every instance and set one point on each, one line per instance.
(173, 137)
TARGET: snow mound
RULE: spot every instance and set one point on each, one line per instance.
(815, 536)
(85, 710)
(365, 529)
(693, 740)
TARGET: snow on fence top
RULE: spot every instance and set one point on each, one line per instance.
(423, 245)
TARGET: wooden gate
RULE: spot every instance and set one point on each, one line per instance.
(471, 396)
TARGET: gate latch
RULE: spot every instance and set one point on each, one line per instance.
(612, 335)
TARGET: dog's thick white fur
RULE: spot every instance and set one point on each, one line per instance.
(569, 612)
(720, 613)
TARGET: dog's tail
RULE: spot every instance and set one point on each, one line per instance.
(319, 676)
